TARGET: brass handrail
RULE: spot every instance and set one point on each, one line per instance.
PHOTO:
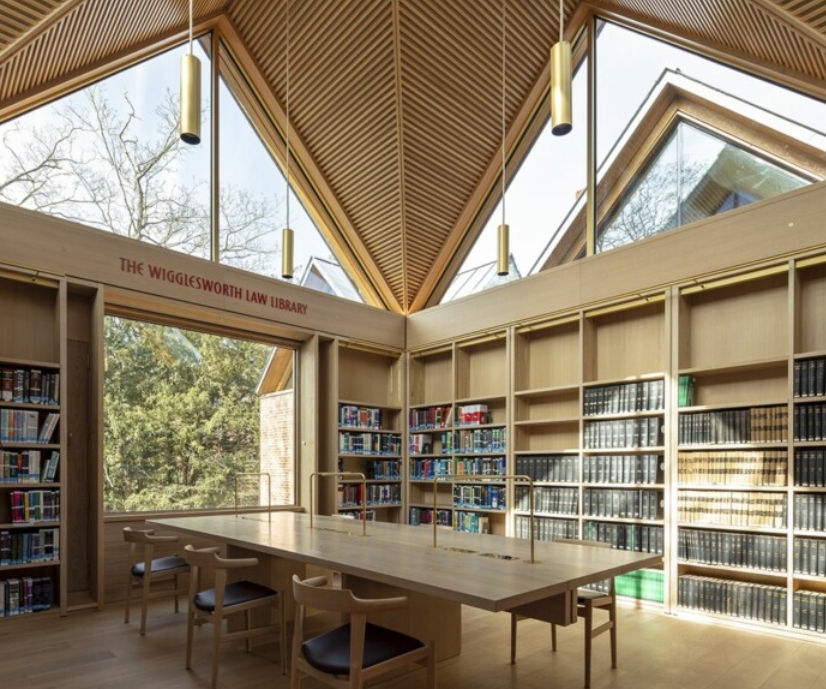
(476, 478)
(341, 474)
(269, 490)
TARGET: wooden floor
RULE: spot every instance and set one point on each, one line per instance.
(96, 649)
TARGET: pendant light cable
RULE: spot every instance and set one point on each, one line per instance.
(287, 166)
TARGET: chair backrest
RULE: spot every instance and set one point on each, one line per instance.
(313, 593)
(206, 563)
(146, 536)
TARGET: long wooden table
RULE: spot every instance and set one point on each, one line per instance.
(486, 571)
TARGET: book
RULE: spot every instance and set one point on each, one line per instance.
(48, 427)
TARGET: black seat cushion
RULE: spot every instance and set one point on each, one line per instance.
(160, 564)
(234, 594)
(330, 652)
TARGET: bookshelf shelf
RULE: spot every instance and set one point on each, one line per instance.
(41, 564)
(735, 487)
(767, 573)
(734, 527)
(623, 520)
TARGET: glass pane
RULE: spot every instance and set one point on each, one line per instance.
(541, 195)
(185, 412)
(750, 139)
(253, 210)
(109, 156)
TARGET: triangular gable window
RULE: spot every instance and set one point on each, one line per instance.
(695, 175)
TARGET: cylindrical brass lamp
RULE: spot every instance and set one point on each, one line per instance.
(561, 119)
(190, 99)
(503, 254)
(287, 253)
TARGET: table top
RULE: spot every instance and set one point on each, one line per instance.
(487, 571)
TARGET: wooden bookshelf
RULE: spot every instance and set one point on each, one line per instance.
(33, 459)
(364, 412)
(458, 424)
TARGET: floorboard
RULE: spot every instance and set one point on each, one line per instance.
(90, 649)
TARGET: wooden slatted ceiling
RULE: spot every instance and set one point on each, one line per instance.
(17, 18)
(396, 101)
(342, 105)
(90, 34)
(746, 27)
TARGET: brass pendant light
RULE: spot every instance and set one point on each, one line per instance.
(287, 233)
(561, 119)
(503, 246)
(190, 92)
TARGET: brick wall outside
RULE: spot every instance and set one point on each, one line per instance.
(278, 446)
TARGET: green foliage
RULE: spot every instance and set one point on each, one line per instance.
(181, 416)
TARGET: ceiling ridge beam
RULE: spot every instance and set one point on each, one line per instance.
(34, 32)
(397, 65)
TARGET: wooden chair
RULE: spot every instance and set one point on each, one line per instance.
(357, 651)
(142, 544)
(225, 599)
(587, 602)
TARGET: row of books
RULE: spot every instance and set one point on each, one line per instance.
(639, 538)
(546, 528)
(465, 440)
(810, 467)
(735, 426)
(472, 414)
(425, 469)
(624, 398)
(359, 417)
(733, 467)
(732, 508)
(810, 556)
(810, 422)
(479, 496)
(29, 386)
(383, 470)
(431, 417)
(28, 506)
(809, 611)
(741, 599)
(636, 469)
(622, 503)
(24, 426)
(353, 495)
(611, 434)
(27, 466)
(422, 515)
(24, 547)
(24, 595)
(810, 511)
(547, 499)
(367, 443)
(471, 522)
(480, 440)
(810, 377)
(731, 549)
(549, 468)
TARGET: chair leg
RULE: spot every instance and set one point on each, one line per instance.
(513, 638)
(176, 583)
(282, 633)
(589, 623)
(431, 668)
(190, 630)
(553, 636)
(217, 622)
(612, 615)
(128, 598)
(248, 623)
(144, 600)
